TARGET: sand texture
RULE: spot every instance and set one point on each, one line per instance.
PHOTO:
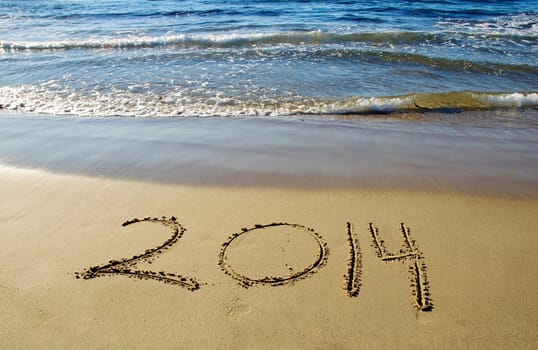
(94, 263)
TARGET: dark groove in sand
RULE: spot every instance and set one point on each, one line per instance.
(354, 269)
(246, 282)
(122, 267)
(416, 265)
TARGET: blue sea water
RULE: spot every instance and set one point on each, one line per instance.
(174, 58)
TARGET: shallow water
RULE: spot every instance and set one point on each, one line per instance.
(405, 94)
(243, 58)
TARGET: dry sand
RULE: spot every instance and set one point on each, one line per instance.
(479, 253)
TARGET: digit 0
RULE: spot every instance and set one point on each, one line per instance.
(246, 281)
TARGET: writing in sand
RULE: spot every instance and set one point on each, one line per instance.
(409, 255)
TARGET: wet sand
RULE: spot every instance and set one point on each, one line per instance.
(480, 153)
(134, 262)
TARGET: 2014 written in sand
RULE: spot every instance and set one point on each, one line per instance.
(409, 254)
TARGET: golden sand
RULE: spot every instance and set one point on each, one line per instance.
(261, 268)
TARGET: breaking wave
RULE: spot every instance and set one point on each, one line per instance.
(247, 40)
(44, 100)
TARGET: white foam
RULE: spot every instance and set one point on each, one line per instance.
(515, 99)
(133, 41)
(235, 39)
(43, 99)
(518, 25)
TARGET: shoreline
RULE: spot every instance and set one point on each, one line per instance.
(438, 155)
(89, 261)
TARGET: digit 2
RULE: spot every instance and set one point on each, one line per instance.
(126, 266)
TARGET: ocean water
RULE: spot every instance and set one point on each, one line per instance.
(168, 58)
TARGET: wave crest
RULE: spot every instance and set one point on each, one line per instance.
(237, 40)
(66, 102)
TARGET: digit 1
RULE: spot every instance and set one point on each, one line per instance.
(352, 282)
(416, 265)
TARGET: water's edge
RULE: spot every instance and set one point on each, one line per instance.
(362, 153)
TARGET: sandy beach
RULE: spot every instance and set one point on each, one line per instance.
(237, 174)
(261, 267)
